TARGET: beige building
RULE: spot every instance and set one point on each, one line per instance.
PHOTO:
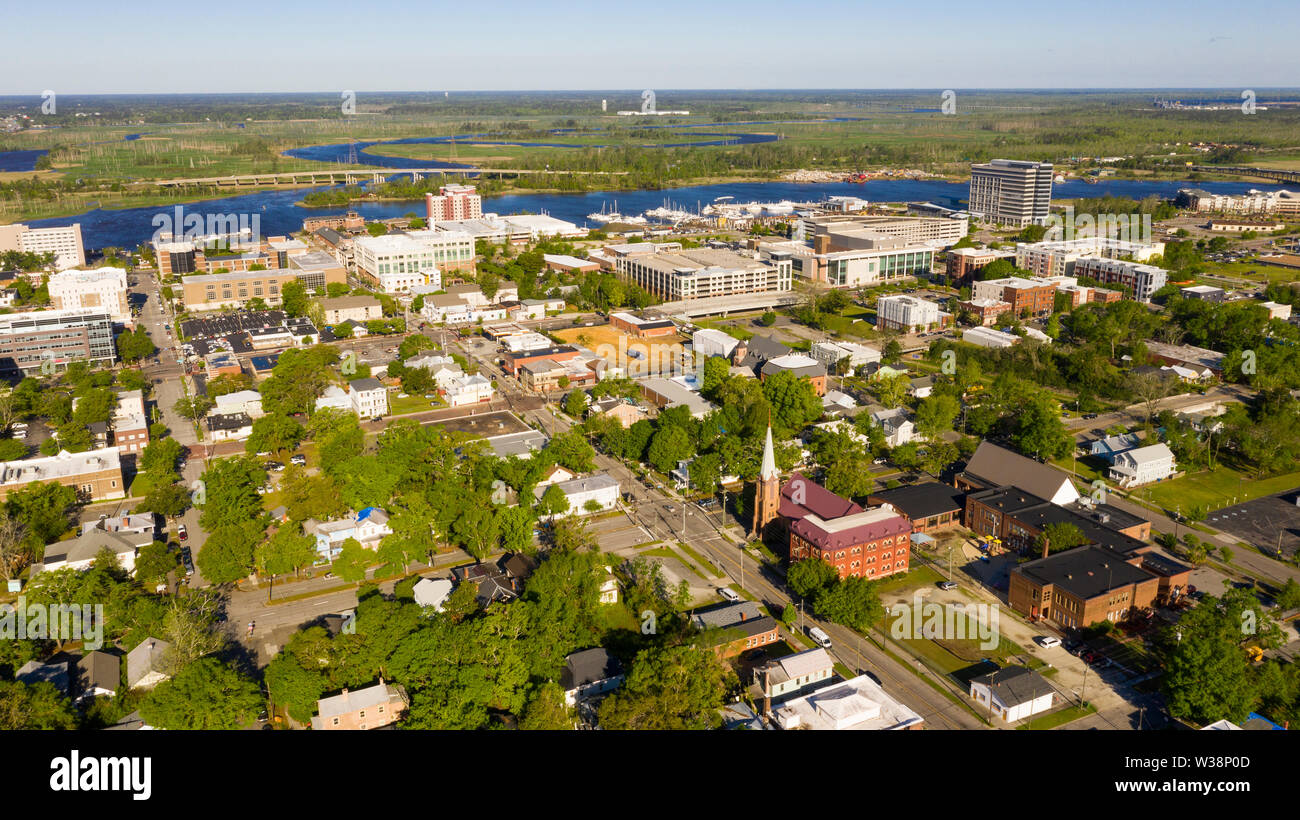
(356, 308)
(368, 708)
(99, 288)
(96, 475)
(64, 243)
(214, 291)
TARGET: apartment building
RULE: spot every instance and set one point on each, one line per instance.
(964, 263)
(831, 354)
(369, 398)
(909, 314)
(848, 231)
(1141, 280)
(64, 242)
(358, 308)
(29, 340)
(985, 311)
(1036, 296)
(99, 288)
(453, 202)
(1251, 202)
(130, 424)
(1057, 258)
(703, 273)
(96, 475)
(1011, 192)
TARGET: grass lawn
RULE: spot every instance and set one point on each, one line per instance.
(916, 578)
(618, 616)
(1215, 488)
(412, 404)
(1058, 718)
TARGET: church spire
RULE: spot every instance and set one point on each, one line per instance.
(768, 470)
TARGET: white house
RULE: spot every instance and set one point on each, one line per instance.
(368, 528)
(472, 389)
(230, 426)
(588, 673)
(794, 673)
(1014, 693)
(600, 488)
(369, 398)
(144, 664)
(80, 553)
(432, 592)
(335, 398)
(1143, 465)
(897, 425)
(241, 401)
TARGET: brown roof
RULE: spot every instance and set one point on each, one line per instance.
(817, 500)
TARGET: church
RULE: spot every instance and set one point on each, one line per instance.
(816, 523)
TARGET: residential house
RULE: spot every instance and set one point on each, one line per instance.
(492, 583)
(368, 528)
(897, 424)
(370, 708)
(369, 398)
(471, 389)
(53, 672)
(229, 426)
(99, 673)
(80, 553)
(589, 673)
(743, 627)
(1143, 465)
(1109, 447)
(794, 674)
(599, 490)
(144, 664)
(432, 592)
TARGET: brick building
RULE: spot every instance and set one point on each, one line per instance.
(1081, 587)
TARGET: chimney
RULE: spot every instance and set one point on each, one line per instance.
(1047, 543)
(767, 691)
(822, 243)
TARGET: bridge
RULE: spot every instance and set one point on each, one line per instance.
(1265, 173)
(354, 177)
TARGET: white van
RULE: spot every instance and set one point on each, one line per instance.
(819, 637)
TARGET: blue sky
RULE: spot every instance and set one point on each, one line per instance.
(240, 46)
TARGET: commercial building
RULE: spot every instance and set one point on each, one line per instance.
(102, 289)
(849, 231)
(1141, 280)
(1014, 693)
(642, 328)
(1195, 358)
(357, 308)
(1081, 587)
(831, 354)
(870, 544)
(515, 229)
(453, 202)
(1011, 192)
(741, 627)
(856, 704)
(412, 253)
(800, 366)
(702, 273)
(317, 270)
(96, 475)
(586, 495)
(985, 311)
(214, 291)
(1035, 296)
(909, 313)
(928, 506)
(29, 340)
(669, 393)
(795, 674)
(64, 242)
(1204, 293)
(866, 262)
(569, 264)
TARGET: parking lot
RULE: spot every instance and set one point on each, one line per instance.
(1265, 522)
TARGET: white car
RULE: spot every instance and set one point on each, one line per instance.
(729, 594)
(1048, 641)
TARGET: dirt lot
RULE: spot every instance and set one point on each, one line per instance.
(613, 344)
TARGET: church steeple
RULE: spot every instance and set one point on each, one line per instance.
(767, 494)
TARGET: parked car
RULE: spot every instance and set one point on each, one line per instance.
(299, 459)
(819, 637)
(947, 585)
(182, 533)
(187, 560)
(729, 594)
(274, 466)
(1048, 641)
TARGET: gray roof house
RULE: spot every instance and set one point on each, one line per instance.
(144, 664)
(38, 672)
(98, 673)
(588, 673)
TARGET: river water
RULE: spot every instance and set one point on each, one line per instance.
(278, 215)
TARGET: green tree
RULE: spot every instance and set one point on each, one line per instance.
(34, 706)
(669, 445)
(809, 577)
(352, 561)
(547, 710)
(673, 688)
(206, 694)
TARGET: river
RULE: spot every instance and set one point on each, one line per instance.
(278, 215)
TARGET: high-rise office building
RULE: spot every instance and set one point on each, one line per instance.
(1011, 192)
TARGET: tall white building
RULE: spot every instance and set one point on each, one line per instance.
(1011, 192)
(411, 253)
(1057, 258)
(100, 288)
(908, 313)
(64, 242)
